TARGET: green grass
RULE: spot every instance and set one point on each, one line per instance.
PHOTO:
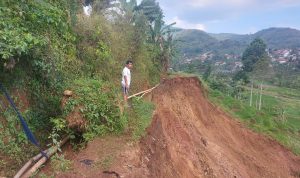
(180, 74)
(107, 162)
(139, 117)
(60, 164)
(287, 92)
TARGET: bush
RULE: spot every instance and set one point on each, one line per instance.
(98, 105)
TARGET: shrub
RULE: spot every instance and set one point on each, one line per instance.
(98, 105)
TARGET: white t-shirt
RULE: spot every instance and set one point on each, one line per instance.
(126, 72)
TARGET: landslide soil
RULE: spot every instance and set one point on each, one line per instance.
(188, 137)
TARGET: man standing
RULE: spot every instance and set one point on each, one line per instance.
(126, 79)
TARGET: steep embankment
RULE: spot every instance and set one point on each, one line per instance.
(189, 137)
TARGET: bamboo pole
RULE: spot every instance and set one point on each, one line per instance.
(29, 163)
(142, 92)
(37, 165)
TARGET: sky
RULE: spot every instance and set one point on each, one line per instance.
(232, 16)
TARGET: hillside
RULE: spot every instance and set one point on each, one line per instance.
(61, 72)
(280, 37)
(188, 137)
(195, 42)
(225, 36)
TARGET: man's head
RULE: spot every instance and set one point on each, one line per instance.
(129, 64)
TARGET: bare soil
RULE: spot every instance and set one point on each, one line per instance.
(188, 137)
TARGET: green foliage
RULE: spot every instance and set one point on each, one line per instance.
(53, 47)
(255, 52)
(13, 142)
(97, 101)
(277, 38)
(100, 5)
(60, 164)
(107, 162)
(159, 34)
(13, 134)
(73, 6)
(151, 9)
(15, 38)
(36, 35)
(27, 26)
(286, 75)
(207, 73)
(58, 130)
(142, 116)
(255, 62)
(194, 42)
(241, 76)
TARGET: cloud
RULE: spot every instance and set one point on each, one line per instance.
(186, 25)
(230, 15)
(288, 2)
(216, 3)
(237, 6)
(236, 3)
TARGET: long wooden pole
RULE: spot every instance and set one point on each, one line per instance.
(37, 165)
(29, 163)
(142, 92)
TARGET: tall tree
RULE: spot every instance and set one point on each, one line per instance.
(160, 34)
(207, 72)
(255, 51)
(256, 66)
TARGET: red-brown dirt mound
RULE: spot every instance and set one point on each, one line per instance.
(188, 137)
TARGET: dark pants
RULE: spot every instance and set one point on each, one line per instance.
(125, 90)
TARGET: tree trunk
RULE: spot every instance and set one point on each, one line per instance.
(259, 105)
(256, 100)
(251, 94)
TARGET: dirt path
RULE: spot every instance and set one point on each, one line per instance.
(188, 137)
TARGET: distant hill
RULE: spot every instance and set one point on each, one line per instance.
(280, 37)
(224, 36)
(195, 42)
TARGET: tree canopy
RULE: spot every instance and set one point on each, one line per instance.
(255, 61)
(253, 53)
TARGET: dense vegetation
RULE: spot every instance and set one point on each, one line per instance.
(49, 46)
(191, 42)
